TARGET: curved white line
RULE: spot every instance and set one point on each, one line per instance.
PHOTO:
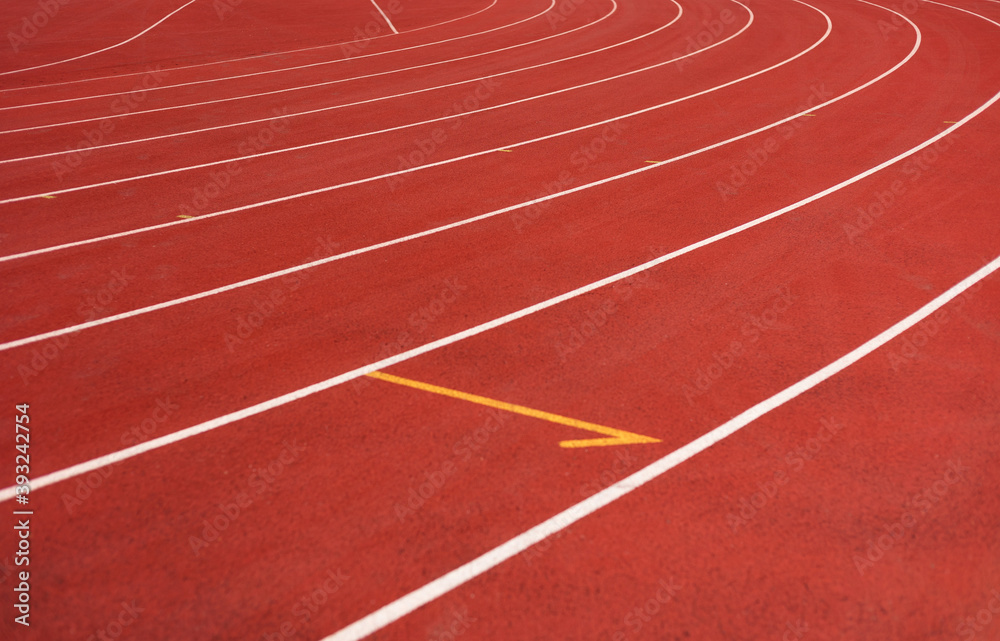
(380, 176)
(313, 64)
(94, 53)
(254, 57)
(356, 252)
(370, 133)
(385, 17)
(437, 588)
(442, 585)
(153, 444)
(433, 590)
(614, 8)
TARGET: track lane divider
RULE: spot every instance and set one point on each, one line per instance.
(324, 109)
(386, 18)
(79, 469)
(306, 66)
(254, 57)
(355, 252)
(410, 602)
(94, 53)
(334, 107)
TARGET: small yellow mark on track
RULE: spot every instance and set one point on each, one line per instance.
(654, 162)
(951, 122)
(48, 197)
(183, 216)
(507, 151)
(614, 437)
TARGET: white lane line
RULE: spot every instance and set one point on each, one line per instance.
(121, 455)
(370, 133)
(408, 603)
(306, 66)
(360, 181)
(94, 53)
(433, 590)
(614, 8)
(523, 143)
(153, 444)
(386, 18)
(330, 108)
(254, 57)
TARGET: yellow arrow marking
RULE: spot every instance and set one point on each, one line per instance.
(616, 437)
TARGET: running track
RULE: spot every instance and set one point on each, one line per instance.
(256, 261)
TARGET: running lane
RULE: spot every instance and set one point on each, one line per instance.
(208, 32)
(343, 483)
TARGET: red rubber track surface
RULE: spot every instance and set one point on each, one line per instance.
(865, 508)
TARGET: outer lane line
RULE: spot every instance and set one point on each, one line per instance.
(355, 252)
(306, 66)
(370, 133)
(386, 18)
(277, 91)
(264, 406)
(94, 53)
(254, 57)
(397, 173)
(431, 591)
